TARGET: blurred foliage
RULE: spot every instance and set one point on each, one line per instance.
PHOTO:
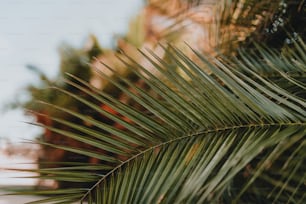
(73, 61)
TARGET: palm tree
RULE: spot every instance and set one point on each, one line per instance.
(221, 128)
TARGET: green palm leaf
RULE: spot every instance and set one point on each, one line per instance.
(212, 130)
(236, 134)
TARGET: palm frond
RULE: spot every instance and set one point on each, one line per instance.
(234, 134)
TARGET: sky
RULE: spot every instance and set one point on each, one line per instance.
(31, 32)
